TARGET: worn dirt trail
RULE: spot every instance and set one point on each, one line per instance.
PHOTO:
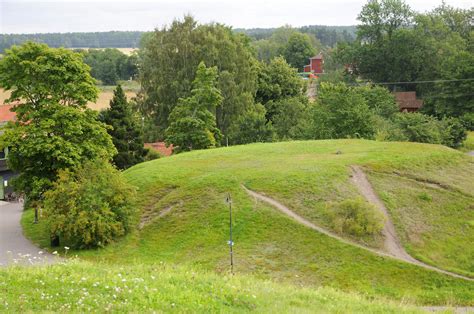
(392, 244)
(400, 253)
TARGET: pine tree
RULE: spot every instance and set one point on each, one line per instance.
(126, 132)
(193, 120)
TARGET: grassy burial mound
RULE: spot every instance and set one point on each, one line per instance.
(426, 189)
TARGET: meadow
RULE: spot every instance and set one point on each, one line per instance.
(186, 217)
(105, 95)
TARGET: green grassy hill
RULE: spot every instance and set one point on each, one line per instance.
(427, 189)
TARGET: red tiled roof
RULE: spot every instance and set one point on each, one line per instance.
(161, 148)
(318, 56)
(5, 113)
(408, 100)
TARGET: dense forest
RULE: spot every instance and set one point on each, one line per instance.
(327, 35)
(75, 40)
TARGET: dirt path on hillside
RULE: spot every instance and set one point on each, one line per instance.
(392, 244)
(406, 258)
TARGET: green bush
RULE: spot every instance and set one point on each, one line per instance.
(357, 217)
(418, 127)
(152, 154)
(90, 206)
(468, 121)
(453, 132)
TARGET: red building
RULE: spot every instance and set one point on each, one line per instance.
(407, 101)
(315, 65)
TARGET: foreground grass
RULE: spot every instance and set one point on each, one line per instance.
(310, 178)
(87, 287)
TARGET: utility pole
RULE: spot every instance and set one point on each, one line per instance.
(230, 242)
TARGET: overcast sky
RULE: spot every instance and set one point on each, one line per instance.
(39, 16)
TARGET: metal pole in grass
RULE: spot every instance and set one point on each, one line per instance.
(230, 242)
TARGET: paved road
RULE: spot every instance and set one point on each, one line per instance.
(14, 247)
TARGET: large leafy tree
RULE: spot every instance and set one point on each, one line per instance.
(342, 112)
(170, 56)
(277, 80)
(54, 129)
(126, 132)
(298, 50)
(192, 121)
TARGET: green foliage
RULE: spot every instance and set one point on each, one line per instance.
(453, 132)
(277, 80)
(169, 58)
(380, 100)
(397, 45)
(298, 50)
(289, 115)
(468, 121)
(455, 98)
(113, 39)
(152, 155)
(37, 75)
(342, 112)
(126, 131)
(252, 127)
(54, 129)
(358, 218)
(382, 17)
(192, 123)
(90, 206)
(418, 127)
(110, 65)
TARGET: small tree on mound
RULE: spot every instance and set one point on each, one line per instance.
(90, 206)
(126, 131)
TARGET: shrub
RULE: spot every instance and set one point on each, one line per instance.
(453, 132)
(418, 127)
(90, 206)
(379, 99)
(251, 127)
(152, 154)
(468, 121)
(347, 113)
(358, 218)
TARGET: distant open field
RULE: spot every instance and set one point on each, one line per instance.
(102, 101)
(127, 51)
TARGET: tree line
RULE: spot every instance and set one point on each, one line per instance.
(431, 53)
(113, 39)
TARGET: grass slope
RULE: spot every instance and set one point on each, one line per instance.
(310, 178)
(88, 287)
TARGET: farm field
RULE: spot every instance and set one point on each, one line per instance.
(184, 216)
(126, 51)
(105, 95)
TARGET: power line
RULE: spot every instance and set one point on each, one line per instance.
(416, 82)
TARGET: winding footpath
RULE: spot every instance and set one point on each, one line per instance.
(392, 245)
(14, 247)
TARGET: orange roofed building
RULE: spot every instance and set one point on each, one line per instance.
(407, 101)
(6, 115)
(161, 148)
